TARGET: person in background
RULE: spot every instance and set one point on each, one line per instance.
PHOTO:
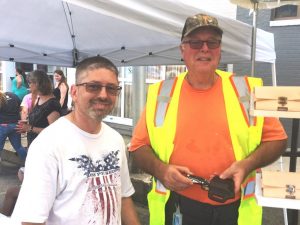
(198, 123)
(76, 170)
(45, 112)
(61, 90)
(27, 104)
(9, 117)
(18, 85)
(46, 109)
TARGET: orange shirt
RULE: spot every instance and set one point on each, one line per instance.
(202, 141)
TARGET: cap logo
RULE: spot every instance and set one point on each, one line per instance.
(207, 20)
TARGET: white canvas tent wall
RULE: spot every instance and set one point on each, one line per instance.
(129, 32)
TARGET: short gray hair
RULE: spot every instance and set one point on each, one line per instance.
(93, 63)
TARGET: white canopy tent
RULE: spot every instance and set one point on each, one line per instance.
(129, 32)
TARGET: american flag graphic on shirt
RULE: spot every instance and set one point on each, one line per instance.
(102, 205)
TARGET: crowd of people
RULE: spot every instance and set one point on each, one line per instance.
(38, 109)
(193, 124)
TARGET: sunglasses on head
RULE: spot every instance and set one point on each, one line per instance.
(93, 87)
(198, 44)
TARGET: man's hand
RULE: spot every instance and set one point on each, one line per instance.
(266, 153)
(238, 171)
(174, 177)
(171, 176)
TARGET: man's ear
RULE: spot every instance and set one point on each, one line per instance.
(181, 47)
(74, 92)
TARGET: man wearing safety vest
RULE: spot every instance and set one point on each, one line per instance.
(199, 124)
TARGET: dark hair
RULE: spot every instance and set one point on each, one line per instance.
(63, 78)
(93, 63)
(18, 70)
(42, 81)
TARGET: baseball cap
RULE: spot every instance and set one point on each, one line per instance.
(200, 20)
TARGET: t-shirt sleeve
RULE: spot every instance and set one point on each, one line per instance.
(140, 135)
(127, 187)
(26, 101)
(273, 130)
(38, 189)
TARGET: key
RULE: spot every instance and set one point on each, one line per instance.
(219, 190)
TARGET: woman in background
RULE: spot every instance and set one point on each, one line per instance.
(28, 103)
(61, 90)
(18, 85)
(46, 109)
(44, 112)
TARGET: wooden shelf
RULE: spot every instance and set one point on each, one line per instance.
(281, 114)
(273, 202)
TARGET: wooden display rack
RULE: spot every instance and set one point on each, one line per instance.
(273, 202)
(292, 205)
(282, 114)
(266, 113)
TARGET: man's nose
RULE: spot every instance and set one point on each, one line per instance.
(205, 46)
(103, 92)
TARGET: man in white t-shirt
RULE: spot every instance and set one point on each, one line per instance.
(76, 169)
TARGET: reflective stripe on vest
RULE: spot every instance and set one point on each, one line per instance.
(163, 101)
(242, 88)
(249, 188)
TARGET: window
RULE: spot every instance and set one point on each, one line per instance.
(123, 112)
(286, 15)
(286, 12)
(25, 67)
(172, 71)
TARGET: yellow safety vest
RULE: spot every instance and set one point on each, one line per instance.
(161, 119)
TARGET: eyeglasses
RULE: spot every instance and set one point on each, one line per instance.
(198, 44)
(96, 87)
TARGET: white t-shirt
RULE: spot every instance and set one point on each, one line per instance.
(74, 177)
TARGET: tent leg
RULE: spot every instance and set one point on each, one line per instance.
(274, 79)
(253, 49)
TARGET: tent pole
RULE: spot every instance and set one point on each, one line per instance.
(138, 92)
(253, 49)
(274, 79)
